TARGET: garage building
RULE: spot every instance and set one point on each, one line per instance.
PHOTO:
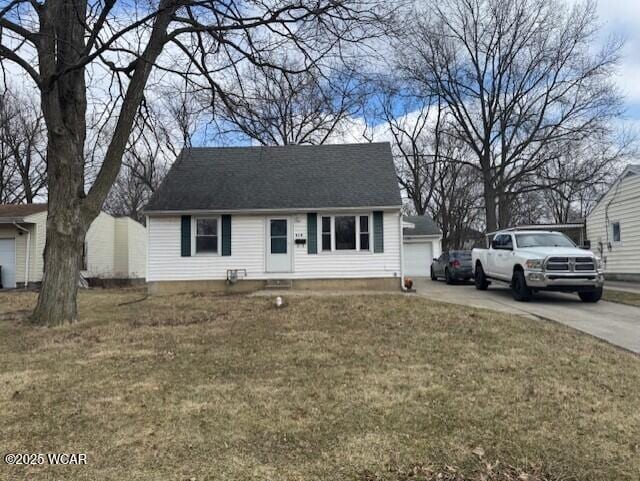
(422, 241)
(114, 249)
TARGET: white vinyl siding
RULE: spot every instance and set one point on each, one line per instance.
(116, 247)
(137, 249)
(248, 246)
(130, 249)
(100, 240)
(166, 264)
(621, 204)
(38, 241)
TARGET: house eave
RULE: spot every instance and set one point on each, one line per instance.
(299, 210)
(14, 220)
(424, 236)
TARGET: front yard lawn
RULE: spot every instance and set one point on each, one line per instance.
(622, 297)
(327, 388)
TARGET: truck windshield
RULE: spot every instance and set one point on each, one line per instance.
(543, 240)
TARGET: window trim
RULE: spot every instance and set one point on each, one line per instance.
(357, 250)
(194, 235)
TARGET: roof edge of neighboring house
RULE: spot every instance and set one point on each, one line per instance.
(633, 169)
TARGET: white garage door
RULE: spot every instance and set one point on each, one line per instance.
(8, 262)
(417, 259)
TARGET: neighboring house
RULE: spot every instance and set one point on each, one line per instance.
(422, 243)
(115, 247)
(613, 227)
(243, 218)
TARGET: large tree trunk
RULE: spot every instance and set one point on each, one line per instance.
(57, 300)
(64, 103)
(66, 230)
(489, 201)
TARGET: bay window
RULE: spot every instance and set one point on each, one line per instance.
(345, 233)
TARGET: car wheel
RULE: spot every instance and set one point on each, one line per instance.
(433, 275)
(591, 296)
(480, 279)
(447, 277)
(519, 289)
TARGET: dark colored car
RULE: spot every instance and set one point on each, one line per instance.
(452, 266)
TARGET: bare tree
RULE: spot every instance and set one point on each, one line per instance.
(296, 105)
(430, 162)
(22, 149)
(580, 172)
(415, 128)
(517, 76)
(67, 47)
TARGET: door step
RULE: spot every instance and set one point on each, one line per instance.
(278, 284)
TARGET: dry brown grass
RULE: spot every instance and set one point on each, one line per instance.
(336, 388)
(623, 297)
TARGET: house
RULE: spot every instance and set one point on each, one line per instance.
(613, 227)
(242, 218)
(422, 243)
(115, 247)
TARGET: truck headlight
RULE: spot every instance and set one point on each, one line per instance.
(534, 264)
(598, 263)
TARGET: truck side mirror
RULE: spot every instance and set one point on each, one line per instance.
(494, 245)
(586, 245)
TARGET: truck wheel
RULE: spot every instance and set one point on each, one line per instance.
(591, 296)
(433, 275)
(519, 289)
(447, 277)
(480, 279)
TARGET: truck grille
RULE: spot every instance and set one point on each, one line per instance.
(570, 264)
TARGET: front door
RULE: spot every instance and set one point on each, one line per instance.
(278, 245)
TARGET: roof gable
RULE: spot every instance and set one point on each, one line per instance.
(285, 177)
(424, 225)
(630, 170)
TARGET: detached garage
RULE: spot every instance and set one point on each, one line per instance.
(422, 241)
(115, 247)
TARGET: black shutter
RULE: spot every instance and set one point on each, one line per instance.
(226, 235)
(378, 232)
(312, 233)
(185, 236)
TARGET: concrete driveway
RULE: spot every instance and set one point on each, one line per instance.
(618, 324)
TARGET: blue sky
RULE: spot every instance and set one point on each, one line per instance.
(622, 17)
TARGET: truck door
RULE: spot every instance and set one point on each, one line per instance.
(497, 255)
(504, 262)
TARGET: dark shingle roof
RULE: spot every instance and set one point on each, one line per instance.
(21, 210)
(287, 177)
(424, 225)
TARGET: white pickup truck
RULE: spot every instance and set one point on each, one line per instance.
(531, 261)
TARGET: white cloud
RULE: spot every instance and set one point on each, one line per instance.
(622, 18)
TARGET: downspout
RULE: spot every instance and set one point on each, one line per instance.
(27, 256)
(401, 233)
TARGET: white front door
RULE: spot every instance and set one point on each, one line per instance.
(278, 244)
(8, 263)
